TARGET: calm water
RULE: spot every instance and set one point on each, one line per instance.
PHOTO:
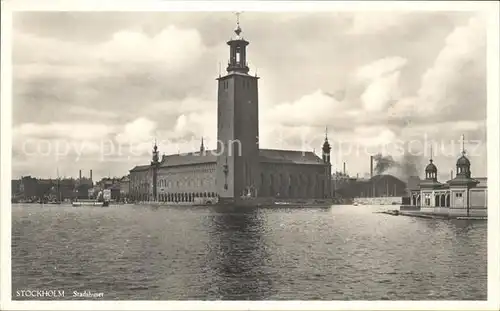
(173, 253)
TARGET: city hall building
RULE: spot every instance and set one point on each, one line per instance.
(460, 196)
(238, 169)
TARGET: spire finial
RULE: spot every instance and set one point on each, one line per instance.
(431, 154)
(237, 30)
(326, 132)
(237, 18)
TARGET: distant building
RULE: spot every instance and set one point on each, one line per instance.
(107, 183)
(462, 195)
(378, 186)
(239, 169)
(125, 186)
(30, 188)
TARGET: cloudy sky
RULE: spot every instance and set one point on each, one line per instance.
(91, 90)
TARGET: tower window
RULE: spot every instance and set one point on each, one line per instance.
(238, 55)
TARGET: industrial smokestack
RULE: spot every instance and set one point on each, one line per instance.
(90, 174)
(80, 175)
(344, 168)
(371, 166)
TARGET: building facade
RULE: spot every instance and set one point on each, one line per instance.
(459, 196)
(238, 169)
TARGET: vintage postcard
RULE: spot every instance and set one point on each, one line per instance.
(251, 155)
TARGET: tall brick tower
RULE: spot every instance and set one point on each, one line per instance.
(237, 125)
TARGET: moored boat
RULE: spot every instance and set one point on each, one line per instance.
(87, 203)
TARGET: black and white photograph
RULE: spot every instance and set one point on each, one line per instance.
(252, 155)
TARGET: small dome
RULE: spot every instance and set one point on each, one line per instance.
(463, 161)
(431, 167)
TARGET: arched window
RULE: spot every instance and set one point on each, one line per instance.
(238, 55)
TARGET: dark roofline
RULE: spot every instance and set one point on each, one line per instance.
(189, 164)
(289, 150)
(384, 175)
(206, 153)
(140, 168)
(273, 161)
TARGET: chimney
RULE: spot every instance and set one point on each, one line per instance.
(451, 174)
(80, 175)
(344, 168)
(371, 166)
(90, 174)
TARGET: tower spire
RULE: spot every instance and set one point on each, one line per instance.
(237, 30)
(202, 146)
(326, 147)
(155, 152)
(431, 154)
(237, 52)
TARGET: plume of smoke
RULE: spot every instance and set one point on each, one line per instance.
(383, 163)
(409, 165)
(404, 168)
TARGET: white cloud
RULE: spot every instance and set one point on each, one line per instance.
(163, 78)
(374, 135)
(137, 131)
(449, 74)
(315, 109)
(71, 131)
(381, 92)
(172, 48)
(63, 71)
(380, 68)
(29, 48)
(185, 106)
(91, 112)
(463, 45)
(382, 78)
(197, 124)
(375, 22)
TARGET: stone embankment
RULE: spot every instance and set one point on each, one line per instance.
(379, 201)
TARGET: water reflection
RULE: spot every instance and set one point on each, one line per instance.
(238, 256)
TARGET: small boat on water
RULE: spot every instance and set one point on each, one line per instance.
(281, 203)
(103, 199)
(87, 203)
